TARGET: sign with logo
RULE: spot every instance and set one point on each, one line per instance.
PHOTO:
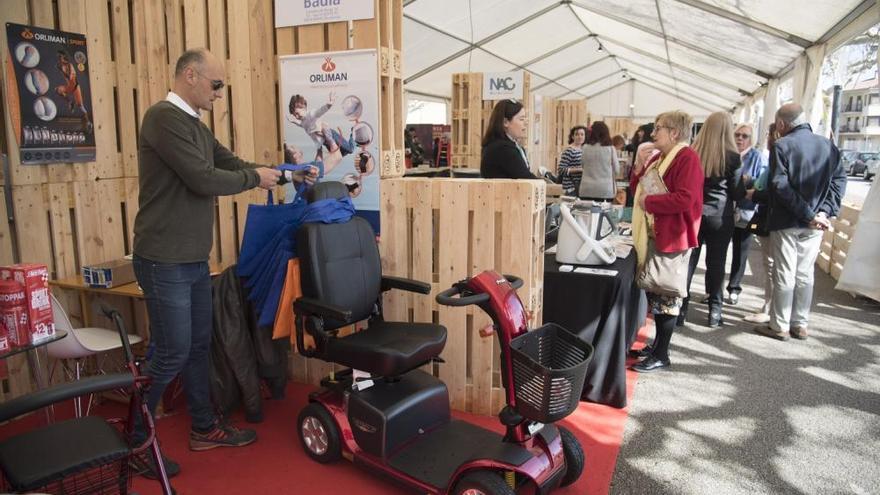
(49, 95)
(330, 118)
(503, 85)
(301, 12)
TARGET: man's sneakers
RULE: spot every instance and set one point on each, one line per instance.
(222, 435)
(799, 333)
(769, 332)
(143, 465)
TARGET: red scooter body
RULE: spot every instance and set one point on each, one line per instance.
(543, 445)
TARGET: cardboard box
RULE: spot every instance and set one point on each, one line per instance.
(824, 262)
(109, 274)
(35, 279)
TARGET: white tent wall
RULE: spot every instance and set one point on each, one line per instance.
(683, 53)
(647, 101)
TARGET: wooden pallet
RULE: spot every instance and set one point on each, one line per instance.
(561, 116)
(835, 243)
(467, 120)
(443, 230)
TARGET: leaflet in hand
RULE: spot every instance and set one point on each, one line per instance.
(652, 183)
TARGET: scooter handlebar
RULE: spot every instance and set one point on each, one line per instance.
(447, 297)
(514, 281)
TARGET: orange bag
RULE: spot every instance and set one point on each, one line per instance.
(285, 320)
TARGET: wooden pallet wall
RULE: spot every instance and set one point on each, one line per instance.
(443, 230)
(561, 116)
(836, 242)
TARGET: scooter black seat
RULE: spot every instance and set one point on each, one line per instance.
(388, 348)
(340, 267)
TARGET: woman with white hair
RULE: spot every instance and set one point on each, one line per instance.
(666, 219)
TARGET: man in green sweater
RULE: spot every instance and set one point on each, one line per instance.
(182, 168)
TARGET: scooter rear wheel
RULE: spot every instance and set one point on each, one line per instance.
(574, 457)
(483, 483)
(319, 434)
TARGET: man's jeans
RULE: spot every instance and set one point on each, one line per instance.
(181, 318)
(794, 258)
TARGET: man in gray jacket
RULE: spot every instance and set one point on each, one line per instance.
(807, 183)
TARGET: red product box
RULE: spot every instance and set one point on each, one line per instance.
(35, 279)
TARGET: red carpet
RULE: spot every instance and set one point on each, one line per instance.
(276, 464)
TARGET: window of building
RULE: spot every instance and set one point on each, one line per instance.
(858, 104)
(849, 105)
(873, 121)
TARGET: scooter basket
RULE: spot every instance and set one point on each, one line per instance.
(549, 367)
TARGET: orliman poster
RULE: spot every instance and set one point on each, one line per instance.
(49, 95)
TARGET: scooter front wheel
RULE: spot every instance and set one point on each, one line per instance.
(574, 457)
(319, 434)
(483, 483)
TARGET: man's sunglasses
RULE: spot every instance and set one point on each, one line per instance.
(216, 84)
(741, 135)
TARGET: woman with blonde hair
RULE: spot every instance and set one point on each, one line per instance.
(722, 187)
(666, 219)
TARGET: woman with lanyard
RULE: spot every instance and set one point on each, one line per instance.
(667, 221)
(503, 157)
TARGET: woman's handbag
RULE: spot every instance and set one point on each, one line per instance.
(758, 223)
(664, 273)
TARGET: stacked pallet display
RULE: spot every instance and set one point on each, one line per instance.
(470, 116)
(561, 116)
(443, 230)
(836, 242)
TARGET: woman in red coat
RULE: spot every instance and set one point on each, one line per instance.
(667, 220)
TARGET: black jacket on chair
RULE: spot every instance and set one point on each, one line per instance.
(501, 159)
(806, 177)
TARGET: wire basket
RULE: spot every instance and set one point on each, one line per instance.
(549, 367)
(107, 479)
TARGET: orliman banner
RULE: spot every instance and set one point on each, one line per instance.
(49, 95)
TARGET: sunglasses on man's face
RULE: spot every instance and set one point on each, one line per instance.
(742, 136)
(216, 84)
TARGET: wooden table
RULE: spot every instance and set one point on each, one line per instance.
(131, 290)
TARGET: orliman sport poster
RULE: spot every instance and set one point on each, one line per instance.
(49, 95)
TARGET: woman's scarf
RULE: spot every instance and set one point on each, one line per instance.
(642, 220)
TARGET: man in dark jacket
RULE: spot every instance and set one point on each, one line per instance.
(807, 184)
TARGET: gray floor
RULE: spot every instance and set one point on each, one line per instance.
(742, 413)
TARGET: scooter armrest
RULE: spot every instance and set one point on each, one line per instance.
(406, 284)
(309, 306)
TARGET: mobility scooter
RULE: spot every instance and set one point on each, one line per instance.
(397, 421)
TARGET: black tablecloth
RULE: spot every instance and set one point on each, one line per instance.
(603, 310)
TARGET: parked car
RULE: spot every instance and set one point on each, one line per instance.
(871, 168)
(858, 165)
(847, 158)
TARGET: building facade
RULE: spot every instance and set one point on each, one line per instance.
(859, 125)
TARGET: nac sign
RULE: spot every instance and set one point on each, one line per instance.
(302, 12)
(502, 85)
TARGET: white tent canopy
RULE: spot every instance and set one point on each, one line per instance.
(630, 57)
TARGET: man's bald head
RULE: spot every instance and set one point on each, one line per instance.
(199, 78)
(788, 117)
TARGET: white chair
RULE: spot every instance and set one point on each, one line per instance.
(79, 344)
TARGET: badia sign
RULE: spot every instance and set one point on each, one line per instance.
(303, 12)
(502, 85)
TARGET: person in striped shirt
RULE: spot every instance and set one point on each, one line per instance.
(569, 167)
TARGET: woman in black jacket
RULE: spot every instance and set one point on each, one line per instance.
(722, 186)
(502, 157)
